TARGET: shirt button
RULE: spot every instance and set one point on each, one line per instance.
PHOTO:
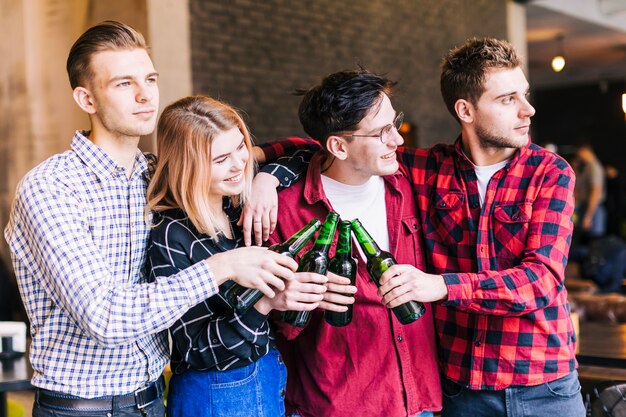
(282, 392)
(442, 204)
(399, 338)
(477, 343)
(280, 359)
(214, 340)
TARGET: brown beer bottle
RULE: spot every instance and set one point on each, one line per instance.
(342, 264)
(241, 298)
(378, 261)
(315, 260)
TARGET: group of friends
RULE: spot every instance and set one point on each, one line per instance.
(112, 247)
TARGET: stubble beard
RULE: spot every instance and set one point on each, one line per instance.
(488, 140)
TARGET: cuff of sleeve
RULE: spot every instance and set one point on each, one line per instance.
(253, 318)
(279, 172)
(199, 282)
(459, 289)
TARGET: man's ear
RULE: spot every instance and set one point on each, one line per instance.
(84, 99)
(337, 146)
(464, 110)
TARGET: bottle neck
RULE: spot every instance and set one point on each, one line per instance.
(297, 241)
(325, 238)
(368, 244)
(344, 242)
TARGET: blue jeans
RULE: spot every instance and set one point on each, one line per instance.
(255, 390)
(422, 414)
(557, 398)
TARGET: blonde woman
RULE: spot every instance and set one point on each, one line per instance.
(224, 364)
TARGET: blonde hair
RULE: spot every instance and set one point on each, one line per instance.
(182, 177)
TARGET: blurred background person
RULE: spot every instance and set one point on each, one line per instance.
(590, 194)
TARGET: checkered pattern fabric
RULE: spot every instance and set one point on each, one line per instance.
(78, 237)
(210, 336)
(507, 319)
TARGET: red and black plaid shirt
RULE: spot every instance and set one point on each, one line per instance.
(507, 319)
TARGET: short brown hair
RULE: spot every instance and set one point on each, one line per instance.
(105, 36)
(463, 69)
(182, 178)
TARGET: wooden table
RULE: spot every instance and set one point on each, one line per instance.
(601, 344)
(15, 375)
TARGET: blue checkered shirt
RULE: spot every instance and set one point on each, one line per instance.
(78, 237)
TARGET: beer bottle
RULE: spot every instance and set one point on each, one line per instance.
(378, 261)
(342, 264)
(241, 298)
(315, 260)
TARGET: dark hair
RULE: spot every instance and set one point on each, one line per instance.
(105, 36)
(340, 102)
(463, 69)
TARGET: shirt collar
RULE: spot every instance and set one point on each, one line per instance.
(524, 151)
(102, 164)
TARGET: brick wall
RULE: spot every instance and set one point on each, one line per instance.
(253, 54)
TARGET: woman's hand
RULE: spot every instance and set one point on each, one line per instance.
(304, 293)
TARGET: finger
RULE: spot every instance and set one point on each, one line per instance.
(303, 306)
(266, 226)
(246, 220)
(305, 298)
(311, 277)
(390, 285)
(400, 300)
(338, 279)
(390, 273)
(307, 288)
(338, 298)
(272, 280)
(257, 226)
(265, 289)
(273, 218)
(283, 261)
(396, 293)
(341, 289)
(333, 307)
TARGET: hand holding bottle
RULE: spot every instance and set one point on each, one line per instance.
(304, 293)
(403, 283)
(339, 293)
(253, 267)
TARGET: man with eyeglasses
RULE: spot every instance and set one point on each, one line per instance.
(374, 366)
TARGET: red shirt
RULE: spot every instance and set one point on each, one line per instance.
(374, 366)
(507, 320)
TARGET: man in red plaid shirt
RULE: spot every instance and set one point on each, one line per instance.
(496, 216)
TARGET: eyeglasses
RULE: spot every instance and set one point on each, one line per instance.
(386, 131)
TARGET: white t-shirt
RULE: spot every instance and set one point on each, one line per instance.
(484, 174)
(365, 202)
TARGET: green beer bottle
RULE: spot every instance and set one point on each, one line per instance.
(241, 298)
(378, 261)
(342, 264)
(315, 260)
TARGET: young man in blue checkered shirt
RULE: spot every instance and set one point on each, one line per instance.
(78, 234)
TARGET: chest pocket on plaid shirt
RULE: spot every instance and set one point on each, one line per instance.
(510, 229)
(447, 217)
(409, 245)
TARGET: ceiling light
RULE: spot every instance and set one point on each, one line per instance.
(624, 102)
(558, 62)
